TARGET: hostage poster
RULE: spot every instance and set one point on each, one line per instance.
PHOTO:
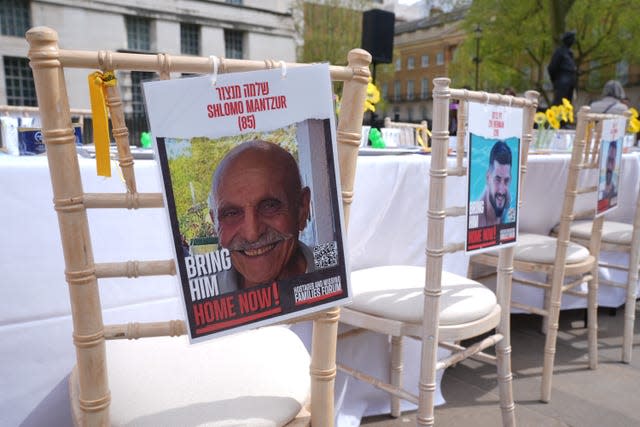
(250, 174)
(493, 179)
(610, 156)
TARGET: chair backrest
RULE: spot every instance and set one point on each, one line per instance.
(440, 160)
(585, 156)
(411, 134)
(49, 62)
(443, 166)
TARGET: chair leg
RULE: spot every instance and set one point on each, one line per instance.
(592, 319)
(546, 306)
(396, 373)
(629, 318)
(505, 381)
(550, 346)
(503, 347)
(427, 385)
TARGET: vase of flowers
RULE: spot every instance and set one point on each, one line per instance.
(548, 124)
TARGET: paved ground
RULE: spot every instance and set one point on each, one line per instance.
(608, 396)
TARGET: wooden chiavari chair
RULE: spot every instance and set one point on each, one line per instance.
(618, 238)
(437, 307)
(139, 372)
(411, 134)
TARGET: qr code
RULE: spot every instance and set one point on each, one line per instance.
(326, 255)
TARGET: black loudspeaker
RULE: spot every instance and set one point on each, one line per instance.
(377, 35)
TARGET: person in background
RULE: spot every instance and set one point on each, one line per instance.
(612, 100)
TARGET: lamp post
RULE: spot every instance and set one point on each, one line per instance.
(477, 34)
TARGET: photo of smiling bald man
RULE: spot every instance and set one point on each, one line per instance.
(259, 207)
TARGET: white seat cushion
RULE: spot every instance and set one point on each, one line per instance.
(612, 231)
(542, 249)
(396, 292)
(258, 377)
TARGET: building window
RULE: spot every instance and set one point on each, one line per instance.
(385, 90)
(138, 33)
(137, 99)
(15, 17)
(410, 90)
(410, 114)
(411, 63)
(424, 61)
(398, 64)
(233, 44)
(189, 39)
(396, 90)
(424, 88)
(440, 58)
(136, 120)
(19, 82)
(423, 109)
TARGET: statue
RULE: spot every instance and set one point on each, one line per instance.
(562, 70)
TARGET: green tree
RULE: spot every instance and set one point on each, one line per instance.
(518, 39)
(328, 30)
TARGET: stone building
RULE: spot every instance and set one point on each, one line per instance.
(423, 50)
(252, 29)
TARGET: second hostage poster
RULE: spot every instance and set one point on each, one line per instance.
(493, 179)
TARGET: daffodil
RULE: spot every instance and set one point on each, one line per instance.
(552, 115)
(634, 123)
(373, 97)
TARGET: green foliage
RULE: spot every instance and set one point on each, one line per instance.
(329, 29)
(192, 168)
(518, 39)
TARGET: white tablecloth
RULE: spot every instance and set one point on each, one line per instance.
(387, 226)
(36, 350)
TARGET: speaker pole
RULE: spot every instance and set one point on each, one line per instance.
(373, 73)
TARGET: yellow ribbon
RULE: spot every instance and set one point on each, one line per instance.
(97, 83)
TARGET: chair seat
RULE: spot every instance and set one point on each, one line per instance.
(396, 292)
(618, 233)
(213, 383)
(542, 249)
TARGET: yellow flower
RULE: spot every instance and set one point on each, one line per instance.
(373, 97)
(634, 123)
(540, 118)
(551, 118)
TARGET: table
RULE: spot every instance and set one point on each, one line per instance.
(394, 230)
(37, 354)
(387, 226)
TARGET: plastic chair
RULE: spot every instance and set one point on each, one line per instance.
(123, 375)
(437, 307)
